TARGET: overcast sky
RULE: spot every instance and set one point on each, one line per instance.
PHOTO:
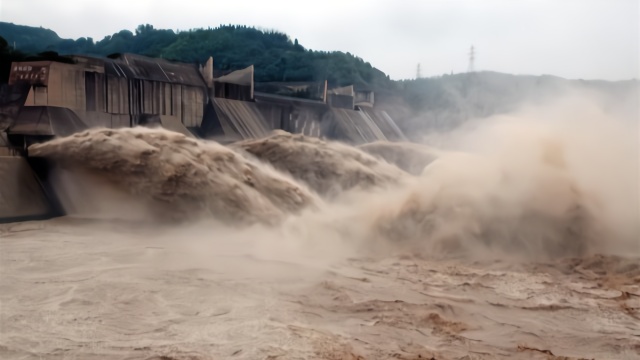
(588, 39)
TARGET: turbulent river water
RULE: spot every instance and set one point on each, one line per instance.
(519, 243)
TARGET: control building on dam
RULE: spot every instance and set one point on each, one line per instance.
(46, 99)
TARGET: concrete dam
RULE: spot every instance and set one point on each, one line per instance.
(45, 100)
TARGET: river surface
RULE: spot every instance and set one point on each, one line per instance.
(92, 289)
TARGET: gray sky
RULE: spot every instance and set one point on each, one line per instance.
(588, 39)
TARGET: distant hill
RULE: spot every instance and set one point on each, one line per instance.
(444, 102)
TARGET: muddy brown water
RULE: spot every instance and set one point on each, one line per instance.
(87, 289)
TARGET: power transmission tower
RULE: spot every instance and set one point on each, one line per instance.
(472, 59)
(418, 74)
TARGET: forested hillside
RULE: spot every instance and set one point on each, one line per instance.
(27, 38)
(276, 56)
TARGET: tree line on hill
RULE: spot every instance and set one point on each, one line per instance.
(275, 55)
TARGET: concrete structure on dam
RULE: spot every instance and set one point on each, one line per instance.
(46, 99)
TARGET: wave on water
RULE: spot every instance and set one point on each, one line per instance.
(410, 157)
(329, 168)
(190, 178)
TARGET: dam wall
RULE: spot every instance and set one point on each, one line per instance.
(22, 195)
